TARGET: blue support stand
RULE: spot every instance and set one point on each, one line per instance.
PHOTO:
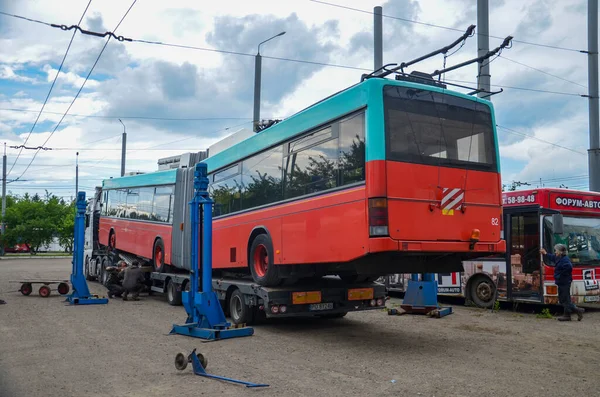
(421, 297)
(205, 319)
(81, 293)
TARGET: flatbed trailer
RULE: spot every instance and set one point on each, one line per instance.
(246, 302)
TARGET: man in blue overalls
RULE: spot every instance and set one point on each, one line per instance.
(563, 276)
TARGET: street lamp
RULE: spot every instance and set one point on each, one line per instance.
(257, 67)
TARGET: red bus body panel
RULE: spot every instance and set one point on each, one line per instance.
(136, 237)
(334, 222)
(414, 194)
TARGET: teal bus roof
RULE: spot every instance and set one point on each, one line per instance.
(165, 177)
(338, 104)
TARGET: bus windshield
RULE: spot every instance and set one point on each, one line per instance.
(580, 235)
(427, 127)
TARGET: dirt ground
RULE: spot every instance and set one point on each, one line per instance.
(122, 349)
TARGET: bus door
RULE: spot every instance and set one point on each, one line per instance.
(523, 254)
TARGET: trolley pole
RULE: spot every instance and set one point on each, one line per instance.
(594, 151)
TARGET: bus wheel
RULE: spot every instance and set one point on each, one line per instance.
(112, 240)
(483, 292)
(158, 256)
(262, 266)
(103, 272)
(86, 269)
(173, 296)
(239, 311)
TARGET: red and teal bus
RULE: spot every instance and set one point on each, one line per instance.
(521, 275)
(386, 176)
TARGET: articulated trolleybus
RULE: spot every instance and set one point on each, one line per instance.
(533, 219)
(387, 176)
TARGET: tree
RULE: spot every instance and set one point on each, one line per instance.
(35, 221)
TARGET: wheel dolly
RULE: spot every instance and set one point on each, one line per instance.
(206, 319)
(81, 293)
(199, 364)
(421, 298)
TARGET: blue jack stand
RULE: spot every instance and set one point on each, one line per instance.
(205, 319)
(81, 293)
(421, 297)
(199, 363)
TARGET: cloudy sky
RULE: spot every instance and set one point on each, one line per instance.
(175, 100)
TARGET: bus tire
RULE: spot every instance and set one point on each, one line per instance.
(239, 311)
(158, 255)
(86, 269)
(261, 262)
(482, 291)
(173, 296)
(103, 273)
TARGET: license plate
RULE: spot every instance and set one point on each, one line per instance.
(320, 306)
(593, 298)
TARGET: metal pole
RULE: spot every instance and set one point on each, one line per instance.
(3, 196)
(123, 149)
(377, 38)
(594, 152)
(483, 46)
(76, 174)
(257, 77)
(257, 67)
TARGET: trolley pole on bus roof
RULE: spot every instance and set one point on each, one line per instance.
(377, 38)
(594, 152)
(123, 149)
(483, 47)
(3, 197)
(257, 77)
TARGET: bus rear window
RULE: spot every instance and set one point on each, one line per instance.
(427, 127)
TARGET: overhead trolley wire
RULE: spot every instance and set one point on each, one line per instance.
(80, 89)
(51, 87)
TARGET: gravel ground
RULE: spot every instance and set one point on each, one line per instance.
(122, 349)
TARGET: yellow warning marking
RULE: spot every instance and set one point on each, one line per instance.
(447, 212)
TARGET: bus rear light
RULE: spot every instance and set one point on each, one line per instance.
(378, 217)
(551, 290)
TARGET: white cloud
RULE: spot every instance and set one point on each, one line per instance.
(136, 79)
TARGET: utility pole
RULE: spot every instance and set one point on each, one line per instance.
(483, 47)
(377, 37)
(123, 149)
(257, 78)
(3, 198)
(76, 174)
(594, 152)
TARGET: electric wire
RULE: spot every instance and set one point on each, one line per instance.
(446, 27)
(509, 130)
(51, 87)
(80, 89)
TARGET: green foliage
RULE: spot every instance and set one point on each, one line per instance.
(497, 306)
(35, 221)
(544, 314)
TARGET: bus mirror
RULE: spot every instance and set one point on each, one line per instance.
(557, 224)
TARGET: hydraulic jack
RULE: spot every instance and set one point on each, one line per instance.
(81, 293)
(421, 297)
(205, 319)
